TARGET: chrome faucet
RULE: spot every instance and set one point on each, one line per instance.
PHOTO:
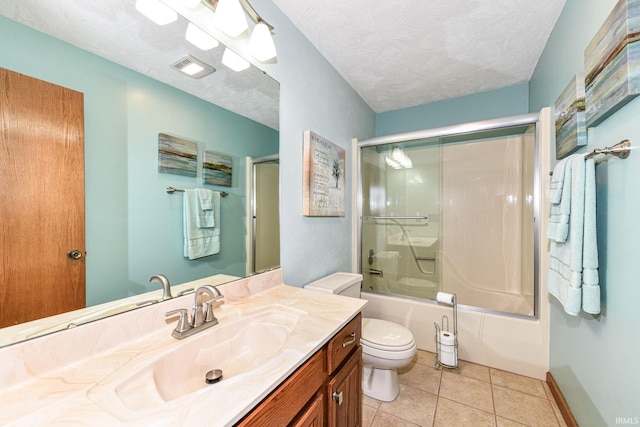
(202, 316)
(166, 288)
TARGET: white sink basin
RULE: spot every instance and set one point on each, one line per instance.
(236, 347)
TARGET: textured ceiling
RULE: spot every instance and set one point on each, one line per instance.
(115, 30)
(402, 53)
(395, 54)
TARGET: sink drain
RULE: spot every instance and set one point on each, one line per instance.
(214, 376)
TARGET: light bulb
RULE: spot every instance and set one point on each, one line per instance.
(157, 11)
(199, 38)
(234, 61)
(230, 18)
(190, 3)
(261, 43)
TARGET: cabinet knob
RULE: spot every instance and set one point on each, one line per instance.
(337, 397)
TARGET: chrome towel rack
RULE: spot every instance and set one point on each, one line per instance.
(621, 150)
(171, 190)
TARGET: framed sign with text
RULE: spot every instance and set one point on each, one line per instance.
(324, 171)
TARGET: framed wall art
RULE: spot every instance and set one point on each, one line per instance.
(217, 169)
(570, 119)
(612, 63)
(177, 156)
(324, 177)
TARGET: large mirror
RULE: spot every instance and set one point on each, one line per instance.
(122, 63)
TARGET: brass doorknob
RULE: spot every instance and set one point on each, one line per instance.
(74, 254)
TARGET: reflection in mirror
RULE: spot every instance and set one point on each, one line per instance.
(133, 227)
(265, 215)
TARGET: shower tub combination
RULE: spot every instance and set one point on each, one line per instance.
(455, 210)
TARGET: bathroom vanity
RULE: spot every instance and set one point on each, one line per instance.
(331, 379)
(288, 356)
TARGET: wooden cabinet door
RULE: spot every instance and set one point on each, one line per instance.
(313, 415)
(42, 199)
(344, 394)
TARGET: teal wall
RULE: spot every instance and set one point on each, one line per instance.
(313, 96)
(594, 358)
(509, 101)
(134, 228)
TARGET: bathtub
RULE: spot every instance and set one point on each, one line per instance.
(514, 344)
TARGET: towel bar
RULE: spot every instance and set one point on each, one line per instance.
(171, 190)
(620, 150)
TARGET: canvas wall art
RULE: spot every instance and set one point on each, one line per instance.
(217, 169)
(324, 177)
(177, 156)
(570, 119)
(612, 63)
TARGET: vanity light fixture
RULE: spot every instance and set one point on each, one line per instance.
(199, 38)
(261, 45)
(193, 67)
(399, 159)
(157, 11)
(234, 61)
(230, 18)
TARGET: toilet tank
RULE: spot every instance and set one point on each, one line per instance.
(346, 284)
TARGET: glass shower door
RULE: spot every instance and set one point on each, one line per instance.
(400, 218)
(454, 214)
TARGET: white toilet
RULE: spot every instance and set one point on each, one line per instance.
(386, 346)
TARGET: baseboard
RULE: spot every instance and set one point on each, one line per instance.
(562, 404)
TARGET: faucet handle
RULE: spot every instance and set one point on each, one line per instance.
(183, 324)
(207, 310)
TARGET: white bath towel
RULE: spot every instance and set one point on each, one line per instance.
(573, 265)
(590, 279)
(560, 199)
(199, 242)
(565, 263)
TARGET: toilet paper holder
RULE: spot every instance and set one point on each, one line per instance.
(447, 352)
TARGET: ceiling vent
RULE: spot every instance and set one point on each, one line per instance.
(193, 67)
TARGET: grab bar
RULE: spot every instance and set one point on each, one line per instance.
(425, 258)
(378, 272)
(397, 217)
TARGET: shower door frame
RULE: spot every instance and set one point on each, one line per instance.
(460, 129)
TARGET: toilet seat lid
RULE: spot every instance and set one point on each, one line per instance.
(386, 335)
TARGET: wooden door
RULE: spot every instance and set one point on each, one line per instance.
(41, 199)
(344, 408)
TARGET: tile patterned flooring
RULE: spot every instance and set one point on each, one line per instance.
(471, 395)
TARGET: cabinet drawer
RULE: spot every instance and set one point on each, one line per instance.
(343, 343)
(281, 406)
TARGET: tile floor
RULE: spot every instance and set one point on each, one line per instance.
(471, 395)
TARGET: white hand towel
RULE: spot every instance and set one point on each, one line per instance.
(560, 199)
(557, 181)
(565, 263)
(198, 242)
(205, 216)
(590, 279)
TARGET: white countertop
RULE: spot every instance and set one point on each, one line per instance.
(50, 384)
